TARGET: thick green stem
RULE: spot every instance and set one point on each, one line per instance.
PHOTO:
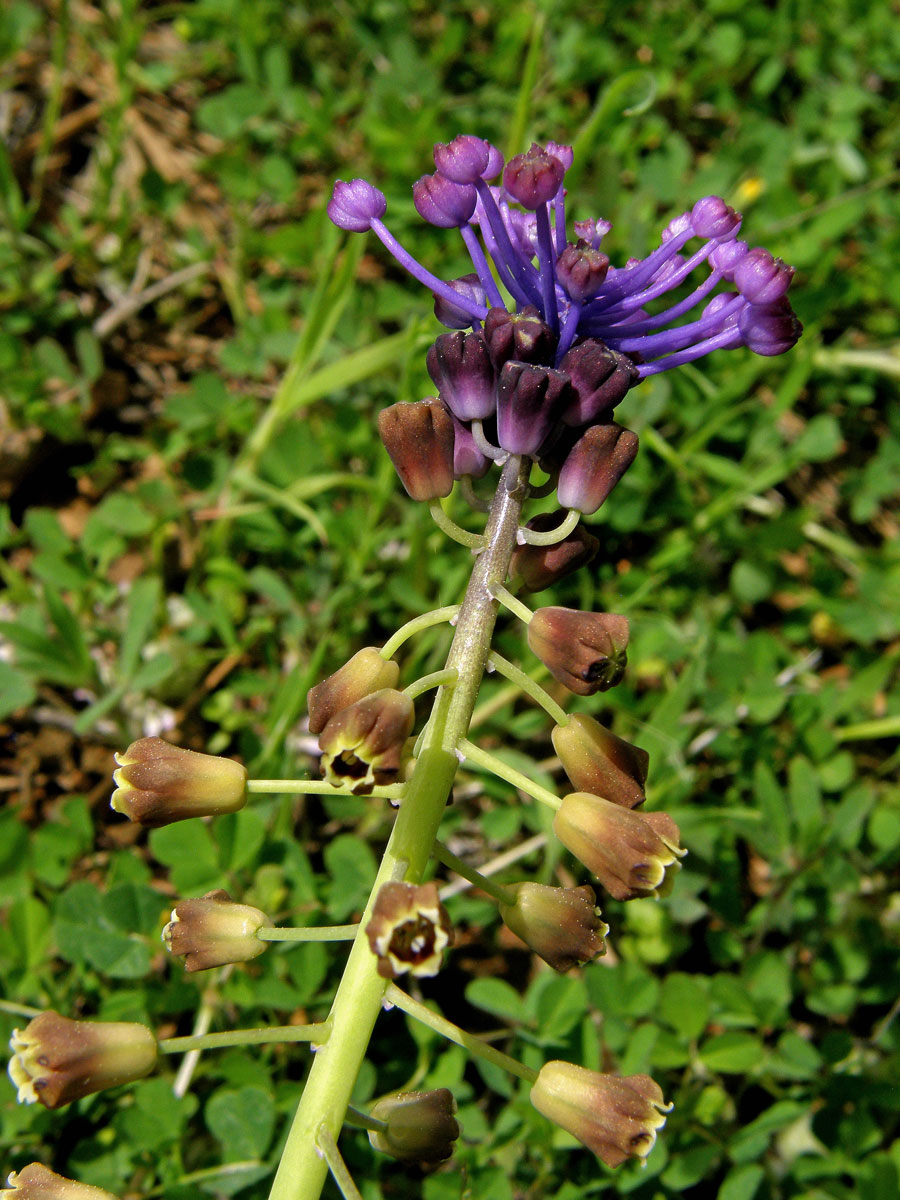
(360, 995)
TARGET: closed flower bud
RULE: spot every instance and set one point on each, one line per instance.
(615, 1116)
(533, 178)
(770, 329)
(762, 278)
(711, 217)
(522, 336)
(562, 925)
(419, 439)
(37, 1182)
(364, 673)
(362, 746)
(528, 398)
(355, 205)
(461, 370)
(409, 929)
(594, 466)
(583, 650)
(421, 1126)
(158, 783)
(632, 854)
(56, 1060)
(213, 930)
(470, 289)
(443, 203)
(600, 378)
(540, 566)
(581, 269)
(597, 761)
(466, 159)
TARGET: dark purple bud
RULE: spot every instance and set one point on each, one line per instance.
(726, 257)
(770, 329)
(522, 336)
(355, 205)
(448, 314)
(442, 203)
(600, 377)
(762, 278)
(581, 270)
(595, 465)
(419, 439)
(528, 397)
(465, 159)
(565, 154)
(461, 369)
(467, 458)
(533, 178)
(711, 217)
(539, 567)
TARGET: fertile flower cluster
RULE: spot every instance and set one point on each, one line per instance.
(543, 380)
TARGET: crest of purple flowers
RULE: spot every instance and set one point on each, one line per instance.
(532, 377)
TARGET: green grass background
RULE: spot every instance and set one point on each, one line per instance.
(198, 522)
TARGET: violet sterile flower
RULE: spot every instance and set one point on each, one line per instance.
(588, 330)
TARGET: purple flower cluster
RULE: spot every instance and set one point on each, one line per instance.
(532, 380)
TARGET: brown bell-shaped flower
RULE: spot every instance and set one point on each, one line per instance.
(213, 930)
(539, 567)
(364, 673)
(594, 466)
(409, 929)
(562, 925)
(583, 650)
(158, 783)
(419, 439)
(597, 761)
(363, 745)
(632, 854)
(56, 1060)
(617, 1117)
(37, 1182)
(419, 1126)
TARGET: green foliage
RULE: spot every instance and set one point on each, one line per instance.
(198, 523)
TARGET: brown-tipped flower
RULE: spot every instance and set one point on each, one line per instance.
(158, 783)
(521, 336)
(420, 1126)
(364, 673)
(419, 439)
(583, 650)
(594, 466)
(615, 1116)
(213, 930)
(37, 1182)
(562, 925)
(539, 567)
(363, 745)
(632, 854)
(597, 761)
(56, 1060)
(409, 929)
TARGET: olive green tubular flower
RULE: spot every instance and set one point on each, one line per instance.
(157, 783)
(37, 1182)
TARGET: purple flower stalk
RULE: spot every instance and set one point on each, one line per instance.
(600, 320)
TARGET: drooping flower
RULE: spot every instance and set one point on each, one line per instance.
(419, 1126)
(213, 930)
(583, 650)
(409, 929)
(158, 783)
(56, 1060)
(364, 673)
(598, 761)
(363, 746)
(37, 1182)
(633, 854)
(615, 1116)
(587, 330)
(562, 925)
